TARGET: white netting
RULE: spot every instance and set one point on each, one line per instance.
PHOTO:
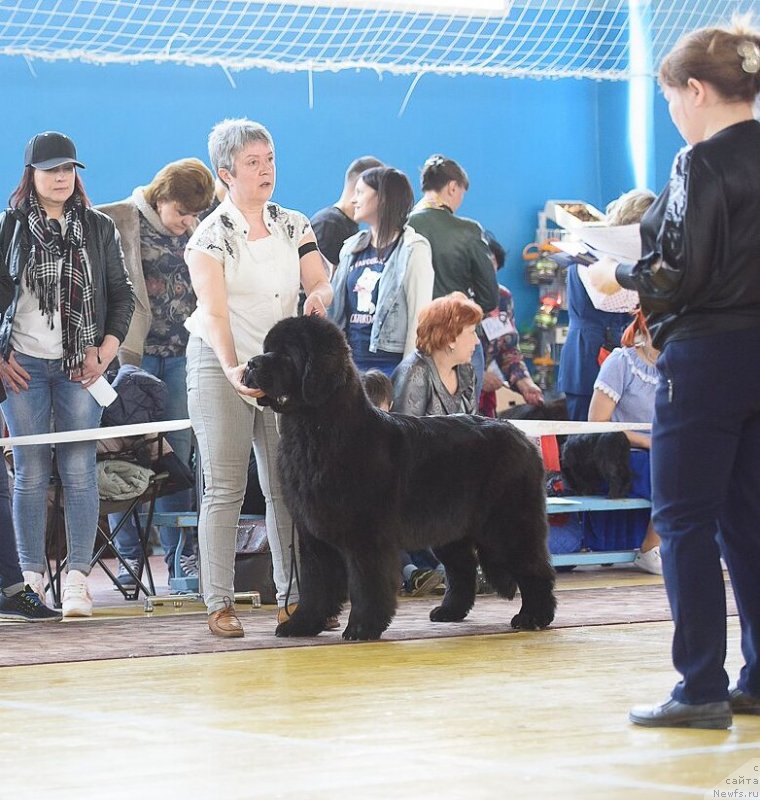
(537, 38)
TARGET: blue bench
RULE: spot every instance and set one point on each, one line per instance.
(554, 505)
(573, 504)
(184, 520)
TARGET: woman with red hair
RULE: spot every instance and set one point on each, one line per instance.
(438, 378)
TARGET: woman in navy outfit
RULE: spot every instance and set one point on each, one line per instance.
(699, 284)
(589, 331)
(592, 334)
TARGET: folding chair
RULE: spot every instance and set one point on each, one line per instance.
(105, 546)
(130, 508)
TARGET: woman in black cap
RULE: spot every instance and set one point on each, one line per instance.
(66, 302)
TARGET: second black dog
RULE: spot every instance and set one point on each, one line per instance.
(592, 460)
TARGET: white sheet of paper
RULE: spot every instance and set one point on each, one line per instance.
(621, 242)
(571, 247)
(103, 392)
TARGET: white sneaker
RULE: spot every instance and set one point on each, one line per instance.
(76, 596)
(651, 561)
(36, 583)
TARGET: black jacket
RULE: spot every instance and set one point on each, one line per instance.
(460, 256)
(700, 273)
(142, 397)
(112, 290)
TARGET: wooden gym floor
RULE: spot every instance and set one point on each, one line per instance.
(528, 715)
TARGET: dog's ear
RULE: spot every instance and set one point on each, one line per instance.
(321, 377)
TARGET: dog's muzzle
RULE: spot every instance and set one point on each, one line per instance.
(249, 374)
(249, 379)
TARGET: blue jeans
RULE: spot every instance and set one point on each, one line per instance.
(52, 395)
(10, 572)
(706, 502)
(171, 370)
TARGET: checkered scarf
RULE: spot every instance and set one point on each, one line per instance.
(74, 289)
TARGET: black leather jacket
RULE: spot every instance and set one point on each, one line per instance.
(460, 256)
(700, 273)
(112, 289)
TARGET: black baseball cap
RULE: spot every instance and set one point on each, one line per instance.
(50, 149)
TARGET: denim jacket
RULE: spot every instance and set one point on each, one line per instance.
(406, 285)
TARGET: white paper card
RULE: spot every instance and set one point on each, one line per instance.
(495, 327)
(103, 392)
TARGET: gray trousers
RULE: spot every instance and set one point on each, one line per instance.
(225, 426)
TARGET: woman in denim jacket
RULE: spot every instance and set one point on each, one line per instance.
(385, 274)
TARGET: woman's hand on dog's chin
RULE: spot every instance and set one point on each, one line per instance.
(235, 376)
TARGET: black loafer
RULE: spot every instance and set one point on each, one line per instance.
(673, 714)
(743, 703)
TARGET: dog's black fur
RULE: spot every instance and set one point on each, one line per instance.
(554, 409)
(362, 484)
(590, 460)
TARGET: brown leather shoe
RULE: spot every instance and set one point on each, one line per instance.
(332, 624)
(284, 613)
(225, 622)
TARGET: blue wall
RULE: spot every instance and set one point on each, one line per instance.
(521, 141)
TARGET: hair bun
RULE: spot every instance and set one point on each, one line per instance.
(435, 161)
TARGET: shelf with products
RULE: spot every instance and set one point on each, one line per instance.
(541, 345)
(546, 269)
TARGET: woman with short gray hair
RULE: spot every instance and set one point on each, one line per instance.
(247, 261)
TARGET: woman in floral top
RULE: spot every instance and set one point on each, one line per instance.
(155, 224)
(504, 361)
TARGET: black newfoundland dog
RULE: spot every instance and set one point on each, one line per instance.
(593, 461)
(362, 484)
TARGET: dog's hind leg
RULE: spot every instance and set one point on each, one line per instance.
(322, 588)
(534, 574)
(497, 571)
(538, 602)
(373, 580)
(458, 558)
(522, 545)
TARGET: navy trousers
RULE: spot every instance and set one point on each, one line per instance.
(706, 500)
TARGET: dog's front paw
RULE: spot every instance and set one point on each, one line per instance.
(361, 631)
(527, 621)
(444, 614)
